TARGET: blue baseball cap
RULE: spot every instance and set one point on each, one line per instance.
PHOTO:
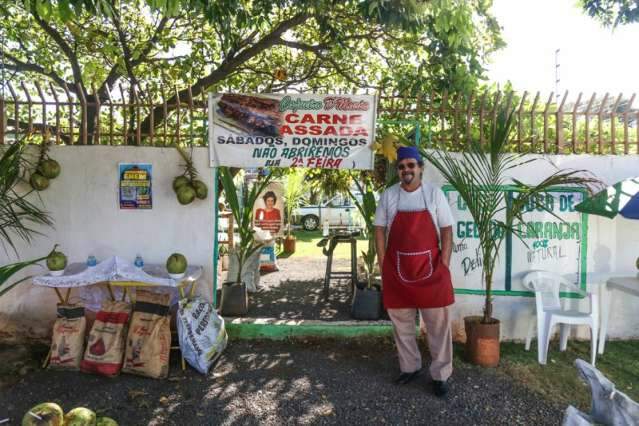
(404, 152)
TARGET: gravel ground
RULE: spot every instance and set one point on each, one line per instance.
(288, 382)
(296, 291)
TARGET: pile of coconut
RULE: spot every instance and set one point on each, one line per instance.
(51, 414)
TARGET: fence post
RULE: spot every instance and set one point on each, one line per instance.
(559, 125)
(519, 120)
(2, 120)
(626, 141)
(613, 125)
(587, 126)
(574, 123)
(599, 123)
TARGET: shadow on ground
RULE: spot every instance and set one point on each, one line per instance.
(301, 382)
(296, 291)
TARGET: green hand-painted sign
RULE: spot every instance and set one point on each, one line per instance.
(552, 238)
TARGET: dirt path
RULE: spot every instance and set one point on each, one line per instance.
(301, 382)
(296, 292)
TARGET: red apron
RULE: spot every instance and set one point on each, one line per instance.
(413, 275)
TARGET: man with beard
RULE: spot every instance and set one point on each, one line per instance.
(413, 236)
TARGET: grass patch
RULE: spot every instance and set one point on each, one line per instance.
(306, 246)
(559, 380)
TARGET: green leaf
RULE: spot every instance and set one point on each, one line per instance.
(7, 271)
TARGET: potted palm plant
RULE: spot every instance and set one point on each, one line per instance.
(367, 296)
(234, 300)
(294, 194)
(479, 174)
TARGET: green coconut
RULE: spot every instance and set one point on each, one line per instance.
(185, 194)
(49, 168)
(179, 182)
(176, 263)
(56, 261)
(80, 416)
(201, 190)
(106, 421)
(45, 414)
(39, 182)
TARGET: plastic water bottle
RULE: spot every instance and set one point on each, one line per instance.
(349, 221)
(139, 263)
(91, 261)
(325, 228)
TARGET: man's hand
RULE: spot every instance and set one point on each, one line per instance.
(446, 235)
(380, 244)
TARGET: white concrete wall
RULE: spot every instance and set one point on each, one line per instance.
(613, 246)
(83, 202)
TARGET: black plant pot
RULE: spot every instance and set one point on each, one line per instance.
(234, 300)
(367, 302)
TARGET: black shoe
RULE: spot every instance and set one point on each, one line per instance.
(440, 388)
(405, 378)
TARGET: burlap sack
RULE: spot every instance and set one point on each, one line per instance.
(105, 347)
(67, 343)
(149, 341)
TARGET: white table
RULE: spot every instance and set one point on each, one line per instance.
(627, 285)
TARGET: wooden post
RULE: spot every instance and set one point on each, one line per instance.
(166, 115)
(189, 100)
(125, 130)
(137, 106)
(600, 124)
(587, 124)
(111, 107)
(456, 120)
(626, 141)
(469, 116)
(57, 113)
(482, 108)
(520, 121)
(83, 119)
(43, 131)
(533, 127)
(98, 106)
(29, 106)
(546, 112)
(559, 126)
(442, 113)
(574, 123)
(613, 125)
(16, 113)
(177, 114)
(70, 103)
(2, 119)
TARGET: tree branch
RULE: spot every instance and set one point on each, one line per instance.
(21, 66)
(63, 45)
(229, 65)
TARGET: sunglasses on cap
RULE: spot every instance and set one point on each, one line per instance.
(407, 166)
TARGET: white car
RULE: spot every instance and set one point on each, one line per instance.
(340, 212)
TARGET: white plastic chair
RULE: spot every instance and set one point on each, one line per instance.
(546, 286)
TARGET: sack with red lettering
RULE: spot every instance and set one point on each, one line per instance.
(149, 341)
(67, 343)
(105, 347)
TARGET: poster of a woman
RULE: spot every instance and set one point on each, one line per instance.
(268, 216)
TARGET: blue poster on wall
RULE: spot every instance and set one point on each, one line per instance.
(135, 186)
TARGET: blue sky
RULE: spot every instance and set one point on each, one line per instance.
(592, 58)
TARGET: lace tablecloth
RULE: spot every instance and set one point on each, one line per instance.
(113, 270)
(90, 281)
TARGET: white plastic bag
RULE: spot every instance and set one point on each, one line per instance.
(201, 333)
